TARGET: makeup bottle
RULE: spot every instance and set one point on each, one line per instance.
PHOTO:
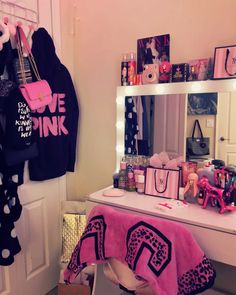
(132, 69)
(131, 182)
(140, 184)
(122, 175)
(116, 180)
(124, 70)
(201, 197)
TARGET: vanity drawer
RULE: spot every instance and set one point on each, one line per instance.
(217, 245)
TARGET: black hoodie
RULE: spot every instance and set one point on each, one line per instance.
(54, 126)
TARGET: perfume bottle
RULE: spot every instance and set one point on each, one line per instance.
(201, 197)
(122, 175)
(140, 184)
(131, 182)
(132, 69)
(124, 70)
(116, 180)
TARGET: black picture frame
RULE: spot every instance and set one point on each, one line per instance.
(202, 103)
(224, 62)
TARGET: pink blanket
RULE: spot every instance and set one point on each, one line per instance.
(162, 252)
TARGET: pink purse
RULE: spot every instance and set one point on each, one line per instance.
(37, 94)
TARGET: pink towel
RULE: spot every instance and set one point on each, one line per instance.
(162, 252)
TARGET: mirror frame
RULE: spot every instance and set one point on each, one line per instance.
(227, 85)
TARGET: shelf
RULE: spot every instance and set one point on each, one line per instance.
(226, 85)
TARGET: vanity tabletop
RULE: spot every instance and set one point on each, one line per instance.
(192, 214)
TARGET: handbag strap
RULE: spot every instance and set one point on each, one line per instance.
(196, 123)
(21, 57)
(22, 38)
(226, 63)
(155, 182)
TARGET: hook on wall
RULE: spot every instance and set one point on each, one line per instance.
(13, 14)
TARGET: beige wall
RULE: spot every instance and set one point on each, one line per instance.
(92, 49)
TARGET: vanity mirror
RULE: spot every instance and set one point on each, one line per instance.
(171, 123)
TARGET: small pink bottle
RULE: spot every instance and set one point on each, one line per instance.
(132, 69)
(123, 175)
(140, 184)
(130, 183)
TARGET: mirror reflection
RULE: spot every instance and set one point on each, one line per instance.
(165, 123)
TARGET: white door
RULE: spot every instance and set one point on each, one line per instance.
(226, 128)
(169, 124)
(36, 268)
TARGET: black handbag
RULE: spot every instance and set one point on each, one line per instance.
(197, 146)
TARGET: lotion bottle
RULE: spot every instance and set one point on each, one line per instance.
(122, 175)
(132, 69)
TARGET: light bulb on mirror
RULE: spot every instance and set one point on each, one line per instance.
(119, 100)
(119, 149)
(120, 125)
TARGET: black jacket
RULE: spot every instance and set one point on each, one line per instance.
(54, 126)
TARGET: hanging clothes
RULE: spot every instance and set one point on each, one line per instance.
(8, 113)
(10, 211)
(137, 125)
(54, 126)
(131, 127)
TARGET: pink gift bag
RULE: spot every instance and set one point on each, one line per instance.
(162, 182)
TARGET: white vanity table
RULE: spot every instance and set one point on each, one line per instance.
(214, 232)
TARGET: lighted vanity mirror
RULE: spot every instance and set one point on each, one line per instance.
(154, 124)
(165, 121)
(170, 124)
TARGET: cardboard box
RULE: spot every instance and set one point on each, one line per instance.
(73, 289)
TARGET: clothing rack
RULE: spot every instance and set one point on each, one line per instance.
(19, 12)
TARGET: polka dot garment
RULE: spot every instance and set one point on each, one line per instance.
(131, 127)
(13, 201)
(10, 209)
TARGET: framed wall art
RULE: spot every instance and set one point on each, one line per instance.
(152, 50)
(202, 104)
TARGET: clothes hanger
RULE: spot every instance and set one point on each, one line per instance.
(11, 27)
(12, 30)
(31, 30)
(5, 34)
